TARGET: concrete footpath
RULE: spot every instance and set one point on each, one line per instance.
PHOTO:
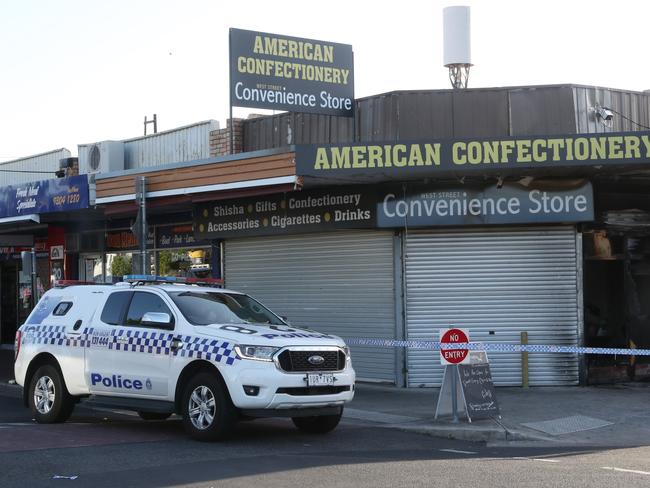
(616, 415)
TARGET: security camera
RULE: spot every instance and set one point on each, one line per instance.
(605, 113)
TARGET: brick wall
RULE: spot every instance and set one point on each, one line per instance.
(220, 139)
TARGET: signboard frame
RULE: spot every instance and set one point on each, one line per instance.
(295, 74)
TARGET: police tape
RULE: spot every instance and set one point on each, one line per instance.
(496, 347)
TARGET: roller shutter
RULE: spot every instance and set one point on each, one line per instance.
(496, 283)
(341, 283)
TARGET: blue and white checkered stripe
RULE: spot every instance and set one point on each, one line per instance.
(145, 341)
(210, 349)
(497, 347)
(55, 335)
(138, 341)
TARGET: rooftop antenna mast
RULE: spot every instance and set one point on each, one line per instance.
(153, 121)
(456, 44)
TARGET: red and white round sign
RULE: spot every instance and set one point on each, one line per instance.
(453, 356)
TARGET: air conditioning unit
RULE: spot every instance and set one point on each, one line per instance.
(102, 157)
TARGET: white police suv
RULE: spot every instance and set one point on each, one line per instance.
(158, 347)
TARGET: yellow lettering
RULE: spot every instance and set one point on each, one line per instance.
(457, 156)
(257, 46)
(328, 54)
(359, 157)
(282, 47)
(632, 147)
(523, 151)
(241, 64)
(615, 151)
(646, 143)
(432, 154)
(581, 148)
(555, 145)
(415, 156)
(387, 154)
(474, 152)
(538, 156)
(506, 150)
(598, 147)
(270, 46)
(321, 159)
(374, 157)
(399, 155)
(341, 157)
(491, 151)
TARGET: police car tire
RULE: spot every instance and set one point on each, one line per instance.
(317, 425)
(225, 415)
(154, 415)
(62, 404)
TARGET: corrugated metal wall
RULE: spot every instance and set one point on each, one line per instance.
(341, 283)
(497, 283)
(187, 143)
(48, 162)
(634, 106)
(541, 110)
(446, 114)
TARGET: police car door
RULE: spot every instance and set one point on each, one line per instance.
(129, 351)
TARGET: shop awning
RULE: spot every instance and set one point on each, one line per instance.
(221, 174)
(21, 218)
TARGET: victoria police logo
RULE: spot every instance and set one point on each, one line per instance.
(148, 384)
(316, 360)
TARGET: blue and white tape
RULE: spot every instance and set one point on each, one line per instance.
(497, 347)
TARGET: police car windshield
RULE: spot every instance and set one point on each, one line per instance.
(212, 307)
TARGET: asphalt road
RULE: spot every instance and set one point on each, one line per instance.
(108, 449)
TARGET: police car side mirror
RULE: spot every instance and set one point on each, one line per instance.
(157, 319)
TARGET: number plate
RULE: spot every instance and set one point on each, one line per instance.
(320, 379)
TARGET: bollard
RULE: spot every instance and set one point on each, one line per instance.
(524, 361)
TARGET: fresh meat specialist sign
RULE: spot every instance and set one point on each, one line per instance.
(56, 195)
(289, 73)
(288, 213)
(420, 158)
(510, 204)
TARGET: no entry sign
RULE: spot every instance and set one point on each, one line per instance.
(453, 356)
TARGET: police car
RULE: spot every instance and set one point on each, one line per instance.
(159, 346)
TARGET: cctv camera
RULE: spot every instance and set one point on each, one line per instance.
(605, 113)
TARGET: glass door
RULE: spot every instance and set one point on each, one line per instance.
(91, 268)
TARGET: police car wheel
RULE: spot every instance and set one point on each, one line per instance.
(154, 415)
(317, 425)
(208, 413)
(49, 399)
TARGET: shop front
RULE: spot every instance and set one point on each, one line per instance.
(172, 250)
(402, 262)
(34, 216)
(317, 259)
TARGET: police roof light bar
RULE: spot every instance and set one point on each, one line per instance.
(135, 279)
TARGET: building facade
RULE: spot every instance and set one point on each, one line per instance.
(501, 211)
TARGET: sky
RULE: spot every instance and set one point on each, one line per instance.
(81, 71)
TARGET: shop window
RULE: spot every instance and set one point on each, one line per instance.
(187, 262)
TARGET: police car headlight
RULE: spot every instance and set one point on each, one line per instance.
(348, 356)
(257, 353)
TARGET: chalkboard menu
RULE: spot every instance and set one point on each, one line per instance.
(478, 388)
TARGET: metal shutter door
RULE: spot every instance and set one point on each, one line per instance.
(340, 283)
(501, 280)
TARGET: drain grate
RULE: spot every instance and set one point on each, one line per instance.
(568, 425)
